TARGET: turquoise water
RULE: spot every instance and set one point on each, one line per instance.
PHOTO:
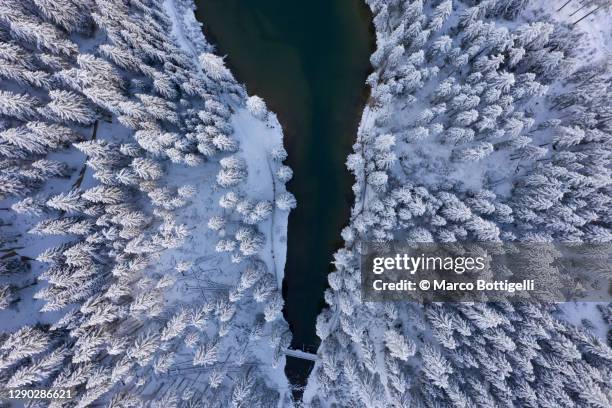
(309, 60)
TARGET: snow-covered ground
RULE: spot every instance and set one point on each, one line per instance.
(596, 25)
(172, 208)
(257, 138)
(586, 315)
(143, 266)
(469, 103)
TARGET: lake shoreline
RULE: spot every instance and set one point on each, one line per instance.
(314, 78)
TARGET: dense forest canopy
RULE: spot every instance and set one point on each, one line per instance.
(143, 190)
(488, 122)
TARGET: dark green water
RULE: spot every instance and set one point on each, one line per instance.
(309, 61)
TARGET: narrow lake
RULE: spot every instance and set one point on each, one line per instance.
(309, 60)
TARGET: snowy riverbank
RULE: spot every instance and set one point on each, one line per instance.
(257, 138)
(144, 211)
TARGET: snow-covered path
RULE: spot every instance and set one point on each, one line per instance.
(257, 139)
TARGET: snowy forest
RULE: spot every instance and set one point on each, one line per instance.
(487, 121)
(143, 214)
(143, 201)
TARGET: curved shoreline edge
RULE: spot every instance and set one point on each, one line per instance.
(188, 33)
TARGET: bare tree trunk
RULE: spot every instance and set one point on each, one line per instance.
(580, 8)
(585, 16)
(564, 4)
(79, 180)
(586, 81)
